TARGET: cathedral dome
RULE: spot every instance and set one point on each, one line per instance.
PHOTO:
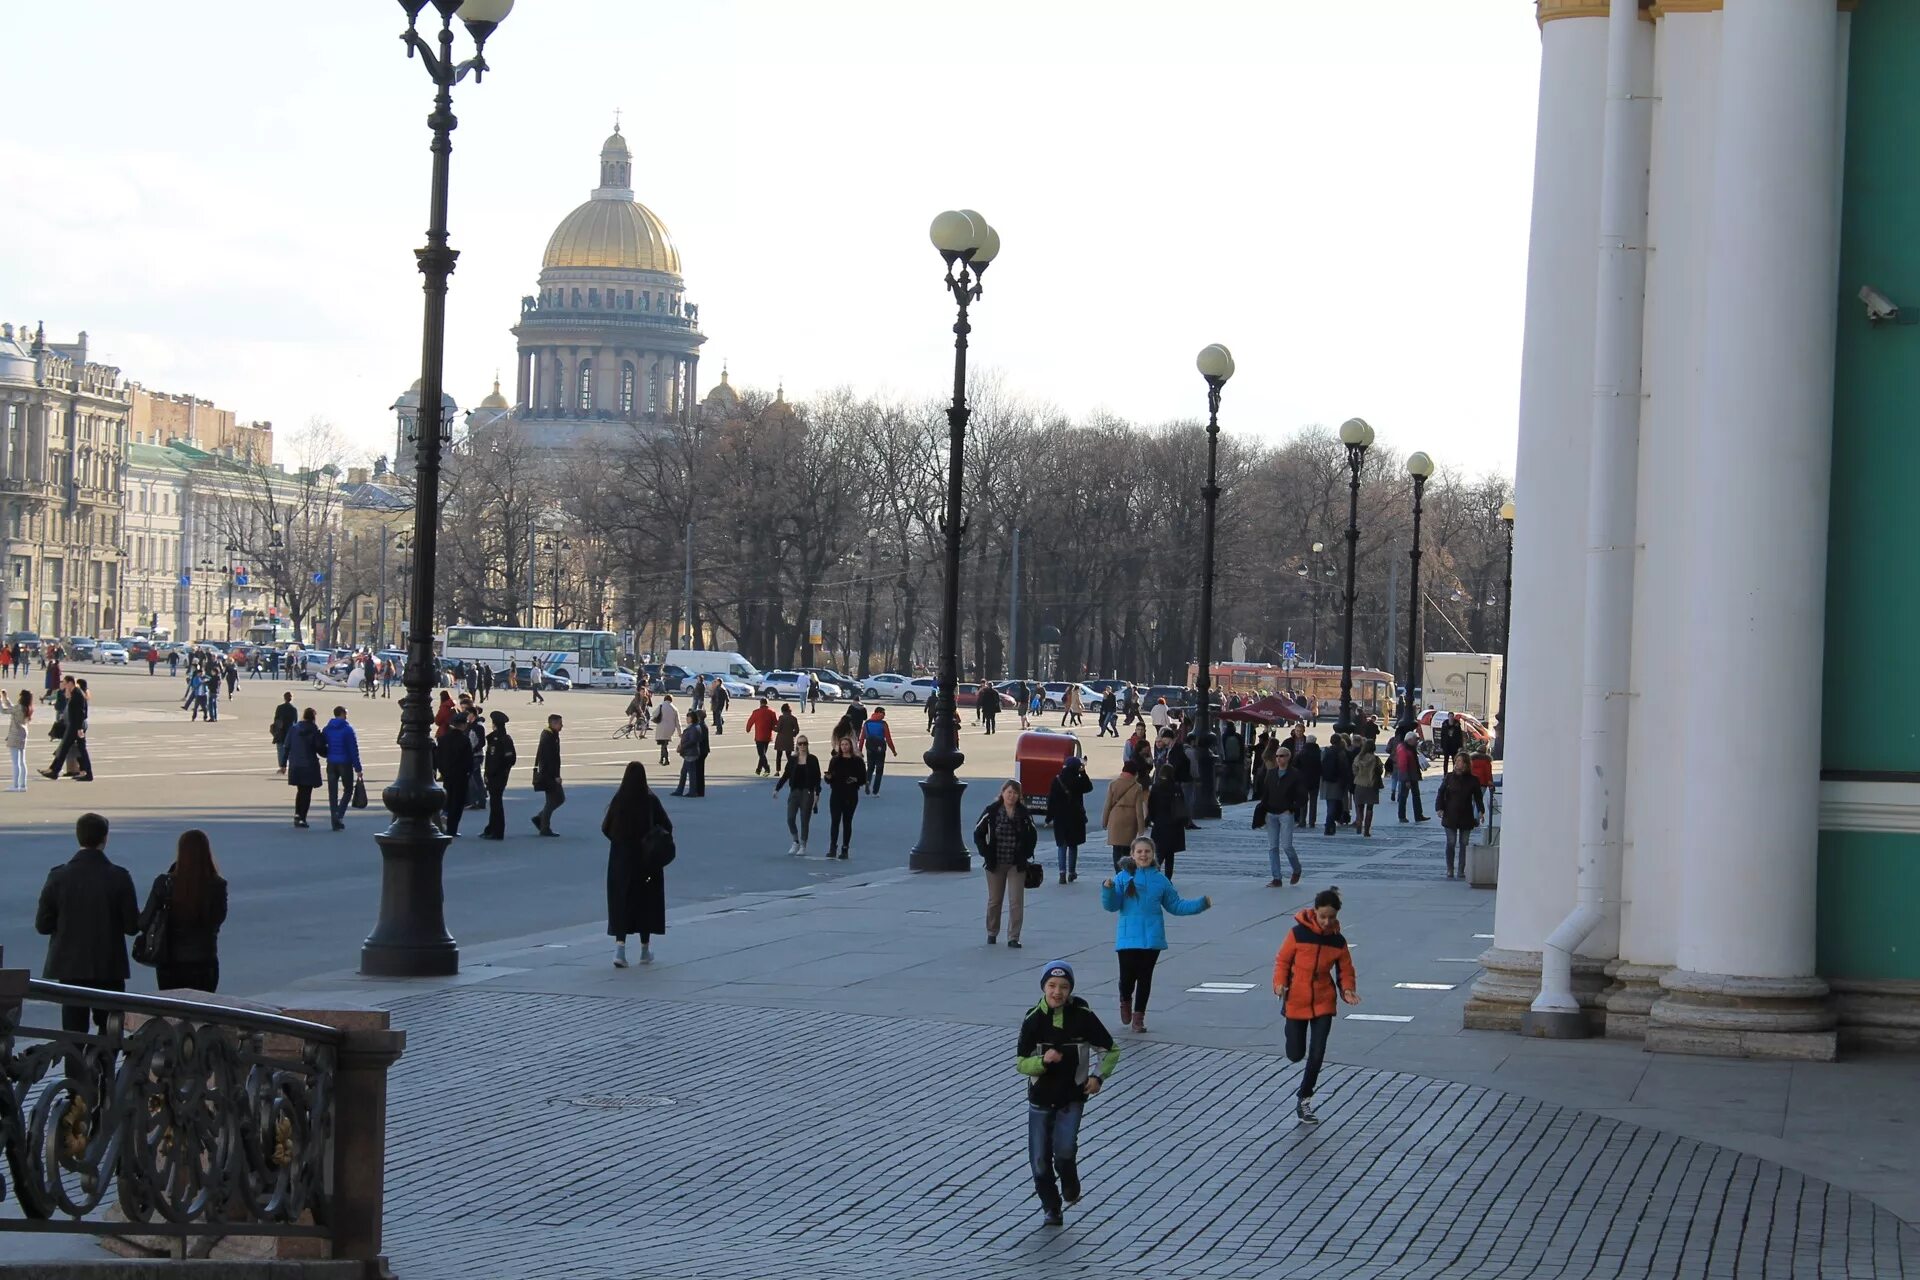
(613, 233)
(493, 399)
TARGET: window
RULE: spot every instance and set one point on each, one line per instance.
(646, 301)
(586, 388)
(593, 298)
(626, 389)
(628, 304)
(576, 297)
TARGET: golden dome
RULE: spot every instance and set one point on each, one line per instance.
(613, 233)
(495, 400)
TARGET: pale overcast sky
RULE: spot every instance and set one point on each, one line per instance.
(227, 196)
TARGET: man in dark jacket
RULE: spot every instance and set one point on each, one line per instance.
(1058, 1040)
(72, 751)
(343, 766)
(1306, 758)
(546, 776)
(1284, 792)
(285, 716)
(1336, 780)
(500, 759)
(453, 754)
(1452, 738)
(719, 699)
(87, 910)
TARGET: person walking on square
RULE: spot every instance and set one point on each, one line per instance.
(19, 713)
(343, 766)
(761, 722)
(453, 756)
(477, 741)
(801, 777)
(666, 723)
(285, 716)
(535, 679)
(879, 741)
(717, 701)
(1058, 1040)
(693, 755)
(846, 779)
(986, 704)
(785, 729)
(546, 776)
(1166, 818)
(1067, 813)
(1124, 814)
(1283, 792)
(1336, 780)
(1006, 838)
(699, 693)
(87, 911)
(497, 771)
(1307, 760)
(813, 692)
(639, 846)
(192, 898)
(1367, 771)
(213, 697)
(305, 747)
(1109, 715)
(1461, 804)
(73, 752)
(1407, 767)
(1313, 969)
(1142, 895)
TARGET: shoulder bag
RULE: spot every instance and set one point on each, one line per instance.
(151, 942)
(1036, 875)
(359, 792)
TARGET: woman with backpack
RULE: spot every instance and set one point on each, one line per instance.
(639, 847)
(1142, 895)
(1124, 815)
(1067, 812)
(1461, 803)
(1367, 771)
(1006, 838)
(186, 907)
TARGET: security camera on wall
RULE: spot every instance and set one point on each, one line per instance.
(1881, 309)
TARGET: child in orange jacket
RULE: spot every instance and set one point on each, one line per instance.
(1303, 978)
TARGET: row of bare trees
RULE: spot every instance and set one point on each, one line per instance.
(832, 510)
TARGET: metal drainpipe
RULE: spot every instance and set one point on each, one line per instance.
(1626, 151)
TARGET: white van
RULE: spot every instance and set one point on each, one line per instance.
(708, 662)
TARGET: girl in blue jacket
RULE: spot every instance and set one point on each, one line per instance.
(1141, 893)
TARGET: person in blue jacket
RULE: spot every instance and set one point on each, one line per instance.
(343, 765)
(1142, 894)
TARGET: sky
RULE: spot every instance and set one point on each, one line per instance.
(227, 195)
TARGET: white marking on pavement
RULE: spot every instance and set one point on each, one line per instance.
(1456, 960)
(1223, 988)
(1487, 936)
(1426, 986)
(1378, 1017)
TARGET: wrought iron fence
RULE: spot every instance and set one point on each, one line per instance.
(198, 1119)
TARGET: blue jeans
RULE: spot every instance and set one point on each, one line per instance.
(1053, 1144)
(1280, 836)
(1069, 857)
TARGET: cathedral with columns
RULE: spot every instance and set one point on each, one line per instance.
(1711, 836)
(609, 339)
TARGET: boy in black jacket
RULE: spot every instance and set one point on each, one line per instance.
(1057, 1041)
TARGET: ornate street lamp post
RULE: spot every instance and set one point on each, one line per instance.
(233, 549)
(968, 245)
(1419, 467)
(410, 939)
(1215, 363)
(1357, 436)
(1506, 637)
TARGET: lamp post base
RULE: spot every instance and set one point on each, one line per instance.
(410, 939)
(1206, 793)
(941, 846)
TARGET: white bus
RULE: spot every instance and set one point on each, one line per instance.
(588, 658)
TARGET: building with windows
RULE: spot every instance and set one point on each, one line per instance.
(63, 437)
(609, 341)
(156, 504)
(160, 418)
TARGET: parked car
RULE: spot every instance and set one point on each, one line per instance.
(884, 687)
(664, 677)
(848, 685)
(795, 684)
(920, 690)
(523, 672)
(968, 695)
(1101, 684)
(81, 647)
(138, 648)
(114, 655)
(1177, 696)
(25, 642)
(736, 688)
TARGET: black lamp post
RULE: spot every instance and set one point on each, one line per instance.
(1506, 637)
(410, 939)
(1357, 435)
(1419, 467)
(968, 245)
(206, 590)
(1215, 363)
(233, 549)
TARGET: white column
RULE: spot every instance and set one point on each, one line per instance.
(1756, 544)
(1538, 837)
(1686, 70)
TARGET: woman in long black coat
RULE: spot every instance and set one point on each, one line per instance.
(1167, 817)
(1067, 814)
(636, 864)
(305, 749)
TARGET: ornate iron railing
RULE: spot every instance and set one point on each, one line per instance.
(200, 1119)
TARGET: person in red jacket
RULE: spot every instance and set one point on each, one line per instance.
(1303, 978)
(760, 726)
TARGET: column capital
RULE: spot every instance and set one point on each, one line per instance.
(1661, 8)
(1546, 11)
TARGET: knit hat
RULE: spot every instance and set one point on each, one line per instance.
(1057, 969)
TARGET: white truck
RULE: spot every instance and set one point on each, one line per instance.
(1468, 682)
(711, 662)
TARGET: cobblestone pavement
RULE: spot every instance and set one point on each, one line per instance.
(663, 1138)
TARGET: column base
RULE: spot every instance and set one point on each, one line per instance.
(1726, 1015)
(1503, 992)
(1877, 1013)
(1629, 1001)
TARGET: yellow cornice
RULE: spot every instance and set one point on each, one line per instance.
(1546, 11)
(1661, 8)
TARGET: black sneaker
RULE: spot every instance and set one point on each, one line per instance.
(1304, 1112)
(1055, 1218)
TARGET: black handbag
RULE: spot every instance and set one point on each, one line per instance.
(1036, 875)
(150, 944)
(1260, 815)
(359, 793)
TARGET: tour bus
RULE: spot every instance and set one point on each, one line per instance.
(588, 658)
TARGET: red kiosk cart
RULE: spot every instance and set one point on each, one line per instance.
(1037, 757)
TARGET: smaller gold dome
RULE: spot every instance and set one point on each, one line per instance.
(614, 142)
(495, 400)
(613, 233)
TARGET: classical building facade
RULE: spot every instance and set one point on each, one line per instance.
(63, 438)
(609, 340)
(160, 417)
(1715, 498)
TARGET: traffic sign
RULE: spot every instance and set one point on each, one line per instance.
(1290, 649)
(240, 578)
(320, 576)
(186, 579)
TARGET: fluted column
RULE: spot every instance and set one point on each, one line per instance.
(1541, 791)
(1745, 981)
